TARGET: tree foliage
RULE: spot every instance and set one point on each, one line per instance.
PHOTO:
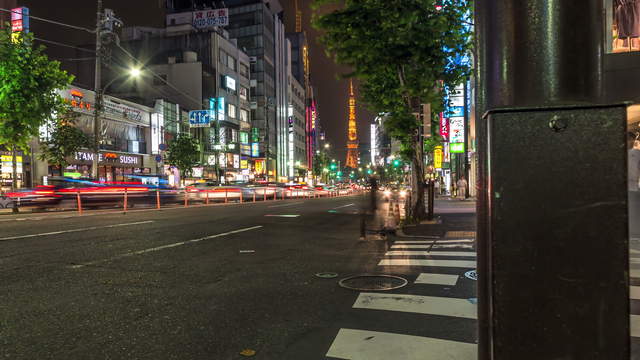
(28, 84)
(405, 53)
(183, 153)
(64, 140)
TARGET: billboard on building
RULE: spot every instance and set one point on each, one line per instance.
(207, 19)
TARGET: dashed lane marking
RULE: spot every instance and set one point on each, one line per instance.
(437, 279)
(74, 230)
(129, 254)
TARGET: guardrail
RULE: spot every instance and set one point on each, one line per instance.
(126, 197)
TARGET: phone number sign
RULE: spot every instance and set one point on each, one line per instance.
(206, 19)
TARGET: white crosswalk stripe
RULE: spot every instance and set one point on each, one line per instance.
(417, 304)
(374, 345)
(429, 262)
(364, 344)
(431, 253)
(437, 279)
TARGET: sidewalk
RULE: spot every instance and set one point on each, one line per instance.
(454, 219)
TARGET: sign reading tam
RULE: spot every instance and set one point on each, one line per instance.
(207, 19)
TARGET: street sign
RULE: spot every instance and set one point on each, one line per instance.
(456, 148)
(200, 118)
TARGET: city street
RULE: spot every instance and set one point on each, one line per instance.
(211, 282)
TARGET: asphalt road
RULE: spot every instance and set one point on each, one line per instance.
(194, 283)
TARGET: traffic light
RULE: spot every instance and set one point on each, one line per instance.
(369, 171)
(334, 166)
(396, 163)
(339, 173)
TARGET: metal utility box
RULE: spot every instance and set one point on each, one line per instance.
(555, 256)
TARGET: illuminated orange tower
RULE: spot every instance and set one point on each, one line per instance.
(352, 143)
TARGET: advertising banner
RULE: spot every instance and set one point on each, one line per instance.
(444, 127)
(456, 129)
(207, 19)
(438, 155)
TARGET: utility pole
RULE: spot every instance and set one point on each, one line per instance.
(98, 93)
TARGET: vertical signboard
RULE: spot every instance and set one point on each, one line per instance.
(456, 129)
(221, 107)
(438, 155)
(444, 127)
(19, 22)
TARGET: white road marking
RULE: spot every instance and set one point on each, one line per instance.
(436, 241)
(74, 230)
(635, 325)
(283, 205)
(429, 262)
(444, 306)
(140, 252)
(431, 253)
(417, 247)
(634, 292)
(344, 206)
(437, 279)
(374, 345)
(284, 216)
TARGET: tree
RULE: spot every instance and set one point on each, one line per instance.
(405, 54)
(28, 97)
(183, 153)
(320, 163)
(64, 140)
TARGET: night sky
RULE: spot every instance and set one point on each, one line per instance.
(332, 94)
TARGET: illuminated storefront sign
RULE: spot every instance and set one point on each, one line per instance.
(456, 129)
(109, 158)
(7, 164)
(444, 127)
(255, 149)
(19, 22)
(437, 157)
(230, 83)
(244, 164)
(259, 166)
(456, 148)
(236, 161)
(221, 107)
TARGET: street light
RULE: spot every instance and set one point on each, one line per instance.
(133, 73)
(327, 145)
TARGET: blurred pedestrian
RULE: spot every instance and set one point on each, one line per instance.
(462, 187)
(436, 186)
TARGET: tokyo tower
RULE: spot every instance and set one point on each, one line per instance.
(352, 143)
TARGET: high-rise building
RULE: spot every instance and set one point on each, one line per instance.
(352, 143)
(258, 27)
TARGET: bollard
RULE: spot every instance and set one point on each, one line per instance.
(79, 203)
(275, 194)
(241, 196)
(186, 198)
(264, 194)
(254, 195)
(207, 199)
(125, 199)
(158, 199)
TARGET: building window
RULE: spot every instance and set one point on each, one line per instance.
(243, 70)
(231, 62)
(223, 57)
(231, 111)
(244, 115)
(244, 93)
(244, 136)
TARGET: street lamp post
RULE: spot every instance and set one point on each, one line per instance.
(134, 73)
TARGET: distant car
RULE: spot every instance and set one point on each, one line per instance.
(390, 193)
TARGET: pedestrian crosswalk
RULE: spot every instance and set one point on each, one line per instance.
(439, 293)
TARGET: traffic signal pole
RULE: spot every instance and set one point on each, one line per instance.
(552, 241)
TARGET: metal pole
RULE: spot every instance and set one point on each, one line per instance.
(79, 202)
(125, 199)
(158, 198)
(98, 94)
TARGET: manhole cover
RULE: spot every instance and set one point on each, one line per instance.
(473, 275)
(372, 282)
(326, 275)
